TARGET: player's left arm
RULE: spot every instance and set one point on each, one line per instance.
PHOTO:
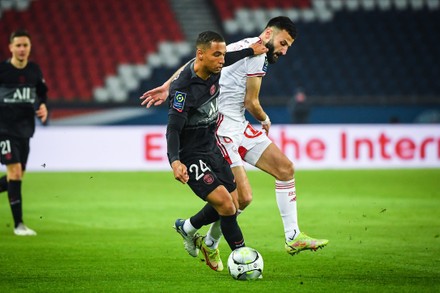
(252, 102)
(158, 95)
(254, 49)
(41, 89)
(42, 112)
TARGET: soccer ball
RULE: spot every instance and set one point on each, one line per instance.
(245, 263)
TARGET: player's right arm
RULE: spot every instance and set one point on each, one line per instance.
(177, 117)
(174, 128)
(158, 95)
(180, 171)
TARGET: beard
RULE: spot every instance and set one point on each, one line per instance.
(272, 57)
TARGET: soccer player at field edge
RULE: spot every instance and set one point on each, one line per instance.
(191, 144)
(22, 88)
(238, 140)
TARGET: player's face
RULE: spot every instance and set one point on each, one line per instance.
(214, 57)
(278, 45)
(20, 48)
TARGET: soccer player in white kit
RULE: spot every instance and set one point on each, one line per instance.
(239, 141)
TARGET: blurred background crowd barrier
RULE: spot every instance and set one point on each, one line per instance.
(354, 61)
(312, 146)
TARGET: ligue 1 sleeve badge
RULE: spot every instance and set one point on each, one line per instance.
(179, 101)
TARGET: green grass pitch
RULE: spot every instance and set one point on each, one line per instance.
(112, 232)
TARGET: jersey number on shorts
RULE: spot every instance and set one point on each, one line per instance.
(199, 169)
(5, 147)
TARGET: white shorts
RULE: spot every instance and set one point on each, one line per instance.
(240, 141)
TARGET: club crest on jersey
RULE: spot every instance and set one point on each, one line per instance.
(212, 90)
(179, 101)
(208, 179)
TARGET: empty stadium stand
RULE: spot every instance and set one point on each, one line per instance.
(80, 42)
(355, 52)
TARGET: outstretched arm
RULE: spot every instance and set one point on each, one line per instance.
(255, 49)
(158, 95)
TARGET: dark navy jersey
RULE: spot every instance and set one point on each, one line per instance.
(193, 112)
(21, 91)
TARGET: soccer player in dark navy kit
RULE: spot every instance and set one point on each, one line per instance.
(22, 90)
(192, 147)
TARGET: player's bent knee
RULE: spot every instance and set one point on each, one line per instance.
(227, 209)
(285, 172)
(244, 201)
(290, 169)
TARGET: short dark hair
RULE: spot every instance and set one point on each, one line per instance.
(19, 33)
(283, 23)
(207, 37)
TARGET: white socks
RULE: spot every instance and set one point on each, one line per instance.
(286, 200)
(213, 236)
(189, 228)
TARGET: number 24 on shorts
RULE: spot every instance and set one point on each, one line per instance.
(199, 169)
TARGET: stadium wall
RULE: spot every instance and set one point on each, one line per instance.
(342, 146)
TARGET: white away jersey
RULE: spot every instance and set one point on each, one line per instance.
(233, 80)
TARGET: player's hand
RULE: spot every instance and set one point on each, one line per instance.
(265, 124)
(180, 171)
(266, 128)
(259, 48)
(154, 97)
(42, 113)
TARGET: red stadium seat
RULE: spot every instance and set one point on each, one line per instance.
(103, 33)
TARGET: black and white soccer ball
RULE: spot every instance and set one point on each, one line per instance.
(245, 263)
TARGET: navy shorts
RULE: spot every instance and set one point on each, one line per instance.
(14, 150)
(207, 172)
